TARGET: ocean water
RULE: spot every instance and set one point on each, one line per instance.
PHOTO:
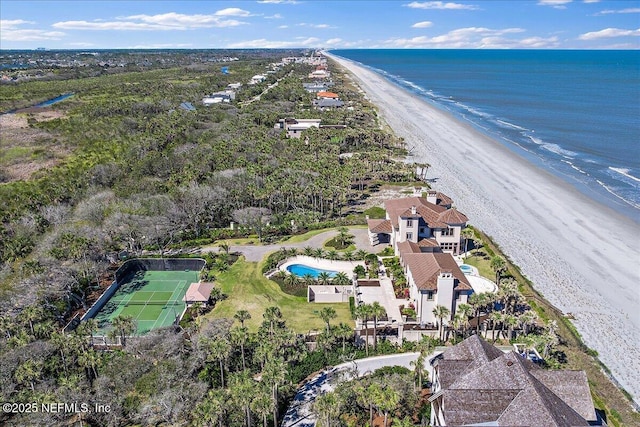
(573, 113)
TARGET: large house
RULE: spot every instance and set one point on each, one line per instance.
(424, 233)
(475, 383)
(416, 219)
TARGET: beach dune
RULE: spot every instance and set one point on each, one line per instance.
(581, 255)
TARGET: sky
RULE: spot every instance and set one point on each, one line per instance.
(457, 24)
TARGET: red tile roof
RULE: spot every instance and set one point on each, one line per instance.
(198, 292)
(327, 95)
(435, 216)
(379, 226)
(426, 267)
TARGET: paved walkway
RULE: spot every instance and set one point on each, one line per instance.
(255, 253)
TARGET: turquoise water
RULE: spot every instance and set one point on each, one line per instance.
(301, 270)
(465, 268)
(574, 113)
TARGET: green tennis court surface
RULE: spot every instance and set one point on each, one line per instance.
(152, 298)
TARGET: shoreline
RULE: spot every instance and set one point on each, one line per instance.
(579, 254)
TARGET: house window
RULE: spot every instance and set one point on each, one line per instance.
(457, 294)
(447, 232)
(430, 295)
(409, 236)
(421, 230)
(409, 223)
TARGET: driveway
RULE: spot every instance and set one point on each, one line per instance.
(255, 253)
(299, 413)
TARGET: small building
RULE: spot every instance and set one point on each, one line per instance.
(225, 96)
(327, 103)
(198, 293)
(294, 127)
(187, 106)
(327, 95)
(258, 78)
(317, 86)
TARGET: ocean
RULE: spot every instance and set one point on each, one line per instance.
(574, 113)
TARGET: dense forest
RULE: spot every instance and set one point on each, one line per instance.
(118, 168)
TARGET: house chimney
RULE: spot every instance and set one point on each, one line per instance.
(413, 210)
(432, 197)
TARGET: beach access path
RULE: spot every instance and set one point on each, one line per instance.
(581, 255)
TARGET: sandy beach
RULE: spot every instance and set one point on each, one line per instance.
(581, 255)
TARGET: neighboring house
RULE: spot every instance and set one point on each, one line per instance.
(475, 383)
(258, 78)
(327, 103)
(417, 218)
(327, 95)
(294, 127)
(219, 97)
(234, 86)
(319, 74)
(187, 106)
(198, 292)
(317, 86)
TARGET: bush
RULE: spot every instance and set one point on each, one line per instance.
(376, 213)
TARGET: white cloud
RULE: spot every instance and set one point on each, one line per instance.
(161, 22)
(8, 24)
(608, 33)
(10, 31)
(557, 4)
(591, 1)
(441, 5)
(423, 24)
(276, 16)
(232, 11)
(283, 27)
(628, 10)
(274, 44)
(475, 38)
(80, 44)
(319, 26)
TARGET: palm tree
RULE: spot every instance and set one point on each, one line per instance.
(291, 280)
(326, 314)
(341, 279)
(387, 400)
(89, 359)
(377, 311)
(273, 316)
(262, 404)
(324, 278)
(363, 312)
(124, 326)
(464, 311)
(360, 254)
(308, 251)
(333, 255)
(348, 256)
(496, 317)
(218, 349)
(511, 322)
(527, 319)
(478, 302)
(318, 253)
(343, 236)
(308, 279)
(327, 407)
(212, 408)
(239, 337)
(242, 316)
(242, 390)
(466, 234)
(275, 374)
(440, 311)
(344, 332)
(499, 266)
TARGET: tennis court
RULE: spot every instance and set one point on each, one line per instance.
(152, 298)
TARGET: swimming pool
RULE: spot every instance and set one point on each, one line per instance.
(301, 270)
(466, 269)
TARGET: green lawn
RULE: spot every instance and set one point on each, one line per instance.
(483, 266)
(309, 234)
(247, 289)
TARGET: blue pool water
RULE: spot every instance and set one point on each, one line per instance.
(301, 270)
(465, 268)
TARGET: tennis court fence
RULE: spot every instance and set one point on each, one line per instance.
(158, 264)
